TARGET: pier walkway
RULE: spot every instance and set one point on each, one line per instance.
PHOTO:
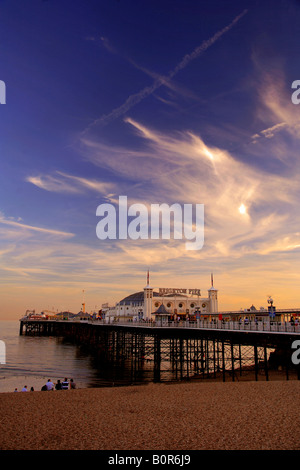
(249, 326)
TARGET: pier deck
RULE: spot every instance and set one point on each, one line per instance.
(184, 350)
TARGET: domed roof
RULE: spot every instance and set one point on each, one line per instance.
(136, 297)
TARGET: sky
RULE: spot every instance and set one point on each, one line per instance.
(185, 102)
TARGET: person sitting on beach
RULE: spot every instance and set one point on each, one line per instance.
(58, 385)
(72, 384)
(50, 385)
(24, 389)
(65, 384)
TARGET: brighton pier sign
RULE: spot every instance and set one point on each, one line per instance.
(164, 291)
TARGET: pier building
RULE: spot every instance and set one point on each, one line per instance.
(173, 304)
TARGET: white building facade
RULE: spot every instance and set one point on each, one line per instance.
(166, 304)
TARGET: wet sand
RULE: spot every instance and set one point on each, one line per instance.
(184, 416)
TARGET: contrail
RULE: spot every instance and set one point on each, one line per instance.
(204, 46)
(134, 99)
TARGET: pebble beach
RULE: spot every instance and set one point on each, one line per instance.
(262, 415)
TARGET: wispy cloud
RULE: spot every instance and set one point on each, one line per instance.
(65, 183)
(269, 132)
(21, 227)
(242, 205)
(52, 184)
(136, 98)
(102, 41)
(275, 105)
(168, 83)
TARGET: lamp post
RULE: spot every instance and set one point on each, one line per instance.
(271, 309)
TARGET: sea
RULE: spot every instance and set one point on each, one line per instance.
(32, 360)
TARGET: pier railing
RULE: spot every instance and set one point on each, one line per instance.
(243, 325)
(253, 326)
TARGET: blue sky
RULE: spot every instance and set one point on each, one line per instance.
(169, 101)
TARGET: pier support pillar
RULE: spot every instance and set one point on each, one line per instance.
(157, 358)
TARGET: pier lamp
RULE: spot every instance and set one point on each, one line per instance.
(271, 311)
(197, 313)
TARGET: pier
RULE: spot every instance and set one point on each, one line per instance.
(182, 351)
